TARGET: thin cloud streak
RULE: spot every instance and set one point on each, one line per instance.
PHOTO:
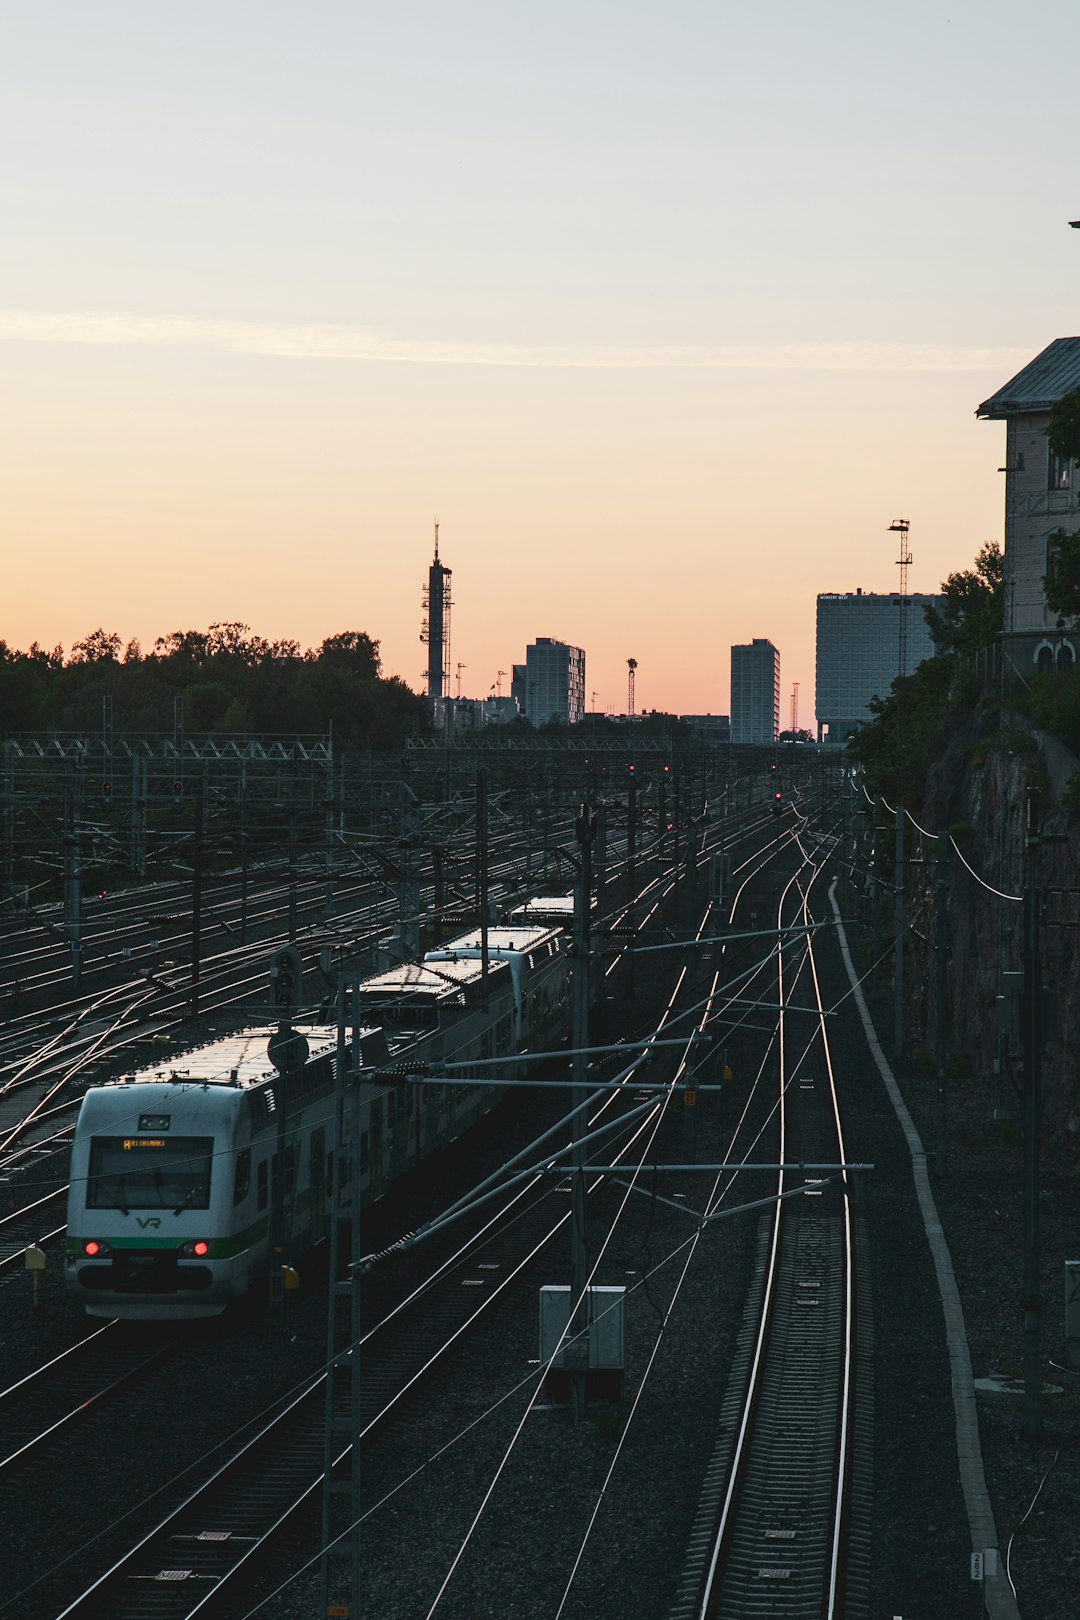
(351, 343)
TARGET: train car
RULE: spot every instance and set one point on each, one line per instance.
(554, 910)
(535, 953)
(188, 1179)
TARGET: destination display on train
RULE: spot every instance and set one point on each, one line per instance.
(144, 1142)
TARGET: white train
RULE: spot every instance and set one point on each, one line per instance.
(189, 1177)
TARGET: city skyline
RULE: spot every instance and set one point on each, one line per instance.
(665, 318)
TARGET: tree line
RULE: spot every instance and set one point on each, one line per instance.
(230, 681)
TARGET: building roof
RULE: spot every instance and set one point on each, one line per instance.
(1043, 381)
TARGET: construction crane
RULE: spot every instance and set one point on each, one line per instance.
(631, 664)
(794, 708)
(901, 526)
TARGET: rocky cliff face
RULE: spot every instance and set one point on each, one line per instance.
(977, 791)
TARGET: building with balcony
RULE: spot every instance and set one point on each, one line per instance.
(1042, 495)
(554, 682)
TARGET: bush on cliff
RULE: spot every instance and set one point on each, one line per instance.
(905, 736)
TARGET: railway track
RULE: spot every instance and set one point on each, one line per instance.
(202, 1549)
(782, 1526)
(38, 1408)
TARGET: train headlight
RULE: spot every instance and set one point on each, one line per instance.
(96, 1249)
(194, 1249)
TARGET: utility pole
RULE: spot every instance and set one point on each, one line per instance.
(196, 900)
(482, 877)
(577, 1350)
(8, 887)
(341, 1496)
(631, 873)
(73, 877)
(1031, 1098)
(293, 835)
(600, 862)
(138, 815)
(329, 843)
(941, 951)
(675, 846)
(898, 937)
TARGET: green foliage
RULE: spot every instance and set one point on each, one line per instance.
(229, 679)
(898, 746)
(1052, 702)
(1064, 429)
(1070, 797)
(972, 615)
(904, 738)
(1062, 583)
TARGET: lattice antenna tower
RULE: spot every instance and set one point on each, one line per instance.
(794, 708)
(435, 626)
(631, 665)
(901, 526)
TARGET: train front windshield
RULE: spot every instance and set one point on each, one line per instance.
(150, 1172)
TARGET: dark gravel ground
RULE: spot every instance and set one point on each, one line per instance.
(520, 1560)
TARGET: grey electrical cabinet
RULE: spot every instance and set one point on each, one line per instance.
(606, 1306)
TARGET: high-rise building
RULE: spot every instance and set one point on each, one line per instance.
(755, 692)
(554, 681)
(859, 640)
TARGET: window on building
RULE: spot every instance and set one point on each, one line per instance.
(1058, 469)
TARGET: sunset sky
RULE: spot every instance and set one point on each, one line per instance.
(666, 311)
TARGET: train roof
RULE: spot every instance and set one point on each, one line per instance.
(508, 938)
(451, 983)
(240, 1059)
(552, 909)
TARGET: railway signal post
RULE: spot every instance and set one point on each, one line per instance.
(577, 1348)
